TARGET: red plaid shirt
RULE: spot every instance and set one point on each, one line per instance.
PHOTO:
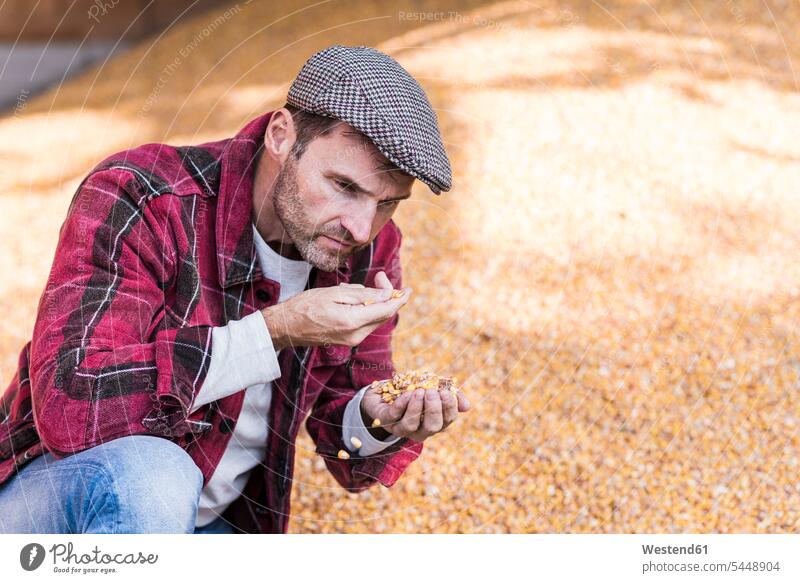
(157, 248)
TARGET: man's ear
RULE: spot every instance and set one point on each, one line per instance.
(280, 135)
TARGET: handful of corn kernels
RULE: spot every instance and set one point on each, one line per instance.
(402, 382)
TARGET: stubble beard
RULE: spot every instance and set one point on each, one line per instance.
(297, 225)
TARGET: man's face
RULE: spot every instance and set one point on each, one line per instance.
(336, 198)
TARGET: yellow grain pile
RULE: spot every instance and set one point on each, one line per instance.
(614, 278)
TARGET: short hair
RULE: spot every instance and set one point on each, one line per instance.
(309, 126)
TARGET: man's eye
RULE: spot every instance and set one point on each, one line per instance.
(344, 185)
(388, 203)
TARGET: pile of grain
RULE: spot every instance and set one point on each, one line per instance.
(614, 278)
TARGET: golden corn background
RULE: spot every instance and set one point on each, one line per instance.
(614, 278)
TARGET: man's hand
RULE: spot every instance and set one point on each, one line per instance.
(345, 314)
(414, 414)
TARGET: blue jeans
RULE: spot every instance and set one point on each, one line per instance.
(134, 484)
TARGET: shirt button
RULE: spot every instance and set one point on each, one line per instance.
(262, 295)
(226, 425)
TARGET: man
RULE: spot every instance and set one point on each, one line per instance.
(204, 300)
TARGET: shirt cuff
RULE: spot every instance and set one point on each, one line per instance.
(353, 426)
(242, 355)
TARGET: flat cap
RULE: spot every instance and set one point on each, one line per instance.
(373, 93)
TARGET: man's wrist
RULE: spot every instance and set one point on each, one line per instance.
(378, 433)
(275, 319)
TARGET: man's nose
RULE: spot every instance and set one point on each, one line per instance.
(359, 225)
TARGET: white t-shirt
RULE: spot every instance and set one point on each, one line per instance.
(242, 355)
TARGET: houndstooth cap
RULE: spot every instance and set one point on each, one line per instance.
(373, 93)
